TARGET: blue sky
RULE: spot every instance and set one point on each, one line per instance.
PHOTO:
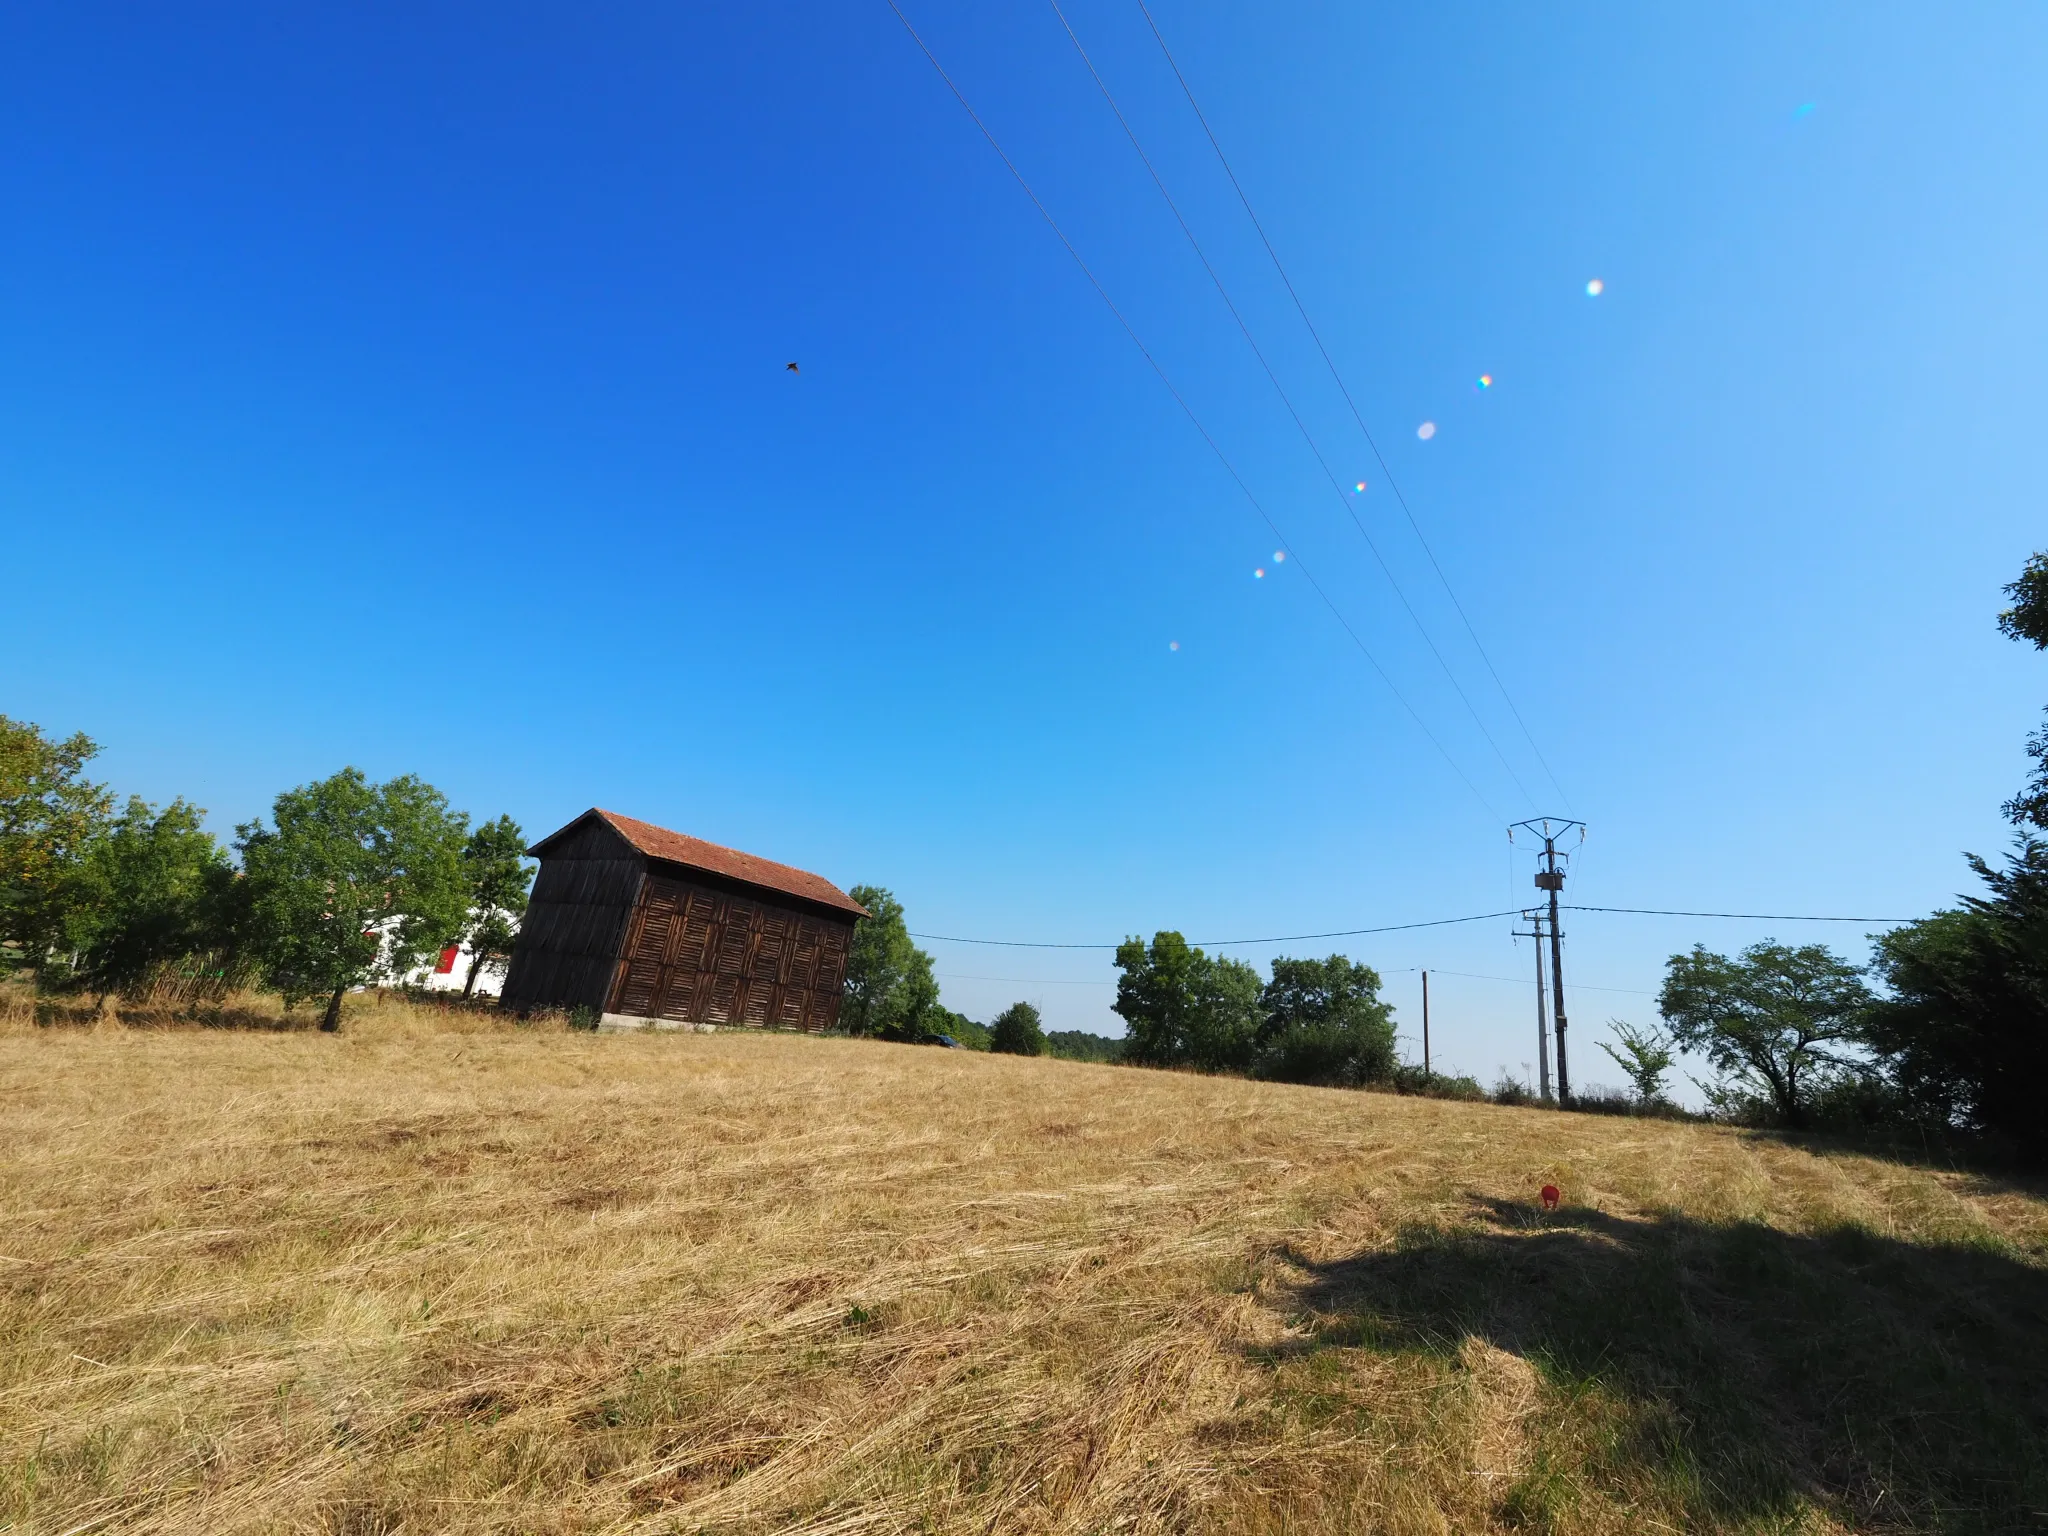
(405, 387)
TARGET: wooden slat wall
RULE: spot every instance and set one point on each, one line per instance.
(706, 956)
(583, 899)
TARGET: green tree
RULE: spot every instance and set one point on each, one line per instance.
(49, 815)
(1774, 1019)
(1645, 1055)
(1324, 1022)
(1182, 1007)
(1018, 1031)
(1964, 1033)
(494, 868)
(890, 990)
(2027, 620)
(356, 882)
(158, 898)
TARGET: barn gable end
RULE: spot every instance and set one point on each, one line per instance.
(576, 919)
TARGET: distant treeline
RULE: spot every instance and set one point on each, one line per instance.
(1315, 1021)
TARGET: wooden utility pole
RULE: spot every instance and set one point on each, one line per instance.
(1425, 1023)
(1542, 1008)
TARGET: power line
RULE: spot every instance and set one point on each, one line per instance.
(1285, 938)
(1356, 415)
(1760, 917)
(1022, 981)
(1274, 379)
(1440, 922)
(1180, 400)
(1523, 981)
(1406, 970)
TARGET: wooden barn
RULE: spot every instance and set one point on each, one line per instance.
(644, 924)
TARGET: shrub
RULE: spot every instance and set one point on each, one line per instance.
(1017, 1031)
(1080, 1045)
(1645, 1055)
(1600, 1099)
(1412, 1081)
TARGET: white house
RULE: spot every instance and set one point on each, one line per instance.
(449, 970)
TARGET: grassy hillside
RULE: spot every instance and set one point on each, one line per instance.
(410, 1279)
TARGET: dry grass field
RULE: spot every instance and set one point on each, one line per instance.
(450, 1275)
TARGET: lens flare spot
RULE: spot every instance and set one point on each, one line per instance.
(1426, 431)
(1173, 645)
(1486, 381)
(1359, 488)
(1258, 573)
(1279, 557)
(1595, 288)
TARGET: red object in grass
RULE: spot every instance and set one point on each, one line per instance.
(1550, 1197)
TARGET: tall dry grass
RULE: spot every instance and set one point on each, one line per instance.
(443, 1274)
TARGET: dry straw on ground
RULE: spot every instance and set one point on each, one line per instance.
(442, 1274)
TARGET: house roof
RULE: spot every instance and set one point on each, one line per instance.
(695, 853)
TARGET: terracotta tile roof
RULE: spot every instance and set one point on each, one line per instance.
(695, 853)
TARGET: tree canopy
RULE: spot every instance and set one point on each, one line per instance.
(1323, 1022)
(49, 814)
(1965, 1029)
(1181, 1007)
(1315, 1021)
(356, 882)
(2027, 618)
(1775, 1019)
(156, 893)
(1018, 1031)
(494, 868)
(1645, 1055)
(890, 990)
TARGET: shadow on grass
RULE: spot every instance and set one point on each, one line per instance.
(1902, 1387)
(1986, 1164)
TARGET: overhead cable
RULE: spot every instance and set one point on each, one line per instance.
(1440, 922)
(1757, 917)
(1285, 938)
(1523, 981)
(1186, 409)
(1344, 389)
(1279, 389)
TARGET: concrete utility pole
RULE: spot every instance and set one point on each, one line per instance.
(1551, 879)
(1425, 1023)
(1535, 921)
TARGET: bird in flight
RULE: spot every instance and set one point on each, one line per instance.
(792, 367)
